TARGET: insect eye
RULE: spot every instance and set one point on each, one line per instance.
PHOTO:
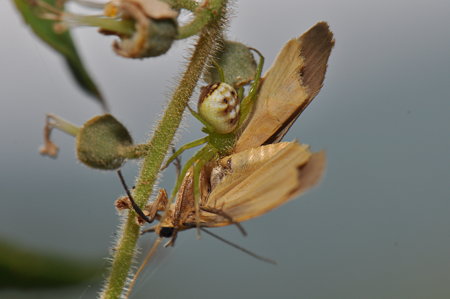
(166, 232)
(219, 105)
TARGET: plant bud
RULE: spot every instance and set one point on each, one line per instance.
(100, 142)
(155, 24)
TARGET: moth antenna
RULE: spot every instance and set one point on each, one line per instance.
(259, 257)
(136, 208)
(150, 254)
(225, 215)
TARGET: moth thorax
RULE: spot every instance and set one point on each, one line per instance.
(219, 106)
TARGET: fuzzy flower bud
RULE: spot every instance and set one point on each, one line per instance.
(155, 27)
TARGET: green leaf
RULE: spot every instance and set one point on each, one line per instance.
(25, 268)
(60, 42)
(237, 63)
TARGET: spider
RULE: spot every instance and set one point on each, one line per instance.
(223, 112)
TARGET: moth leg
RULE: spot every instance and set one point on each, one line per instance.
(172, 240)
(149, 230)
(183, 148)
(159, 204)
(225, 215)
(247, 102)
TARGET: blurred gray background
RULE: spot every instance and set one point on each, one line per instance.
(378, 226)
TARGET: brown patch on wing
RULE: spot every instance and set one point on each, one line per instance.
(291, 83)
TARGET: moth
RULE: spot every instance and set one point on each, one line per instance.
(262, 173)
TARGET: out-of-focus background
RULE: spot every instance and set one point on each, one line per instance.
(378, 226)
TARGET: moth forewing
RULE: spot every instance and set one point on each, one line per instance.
(288, 87)
(261, 179)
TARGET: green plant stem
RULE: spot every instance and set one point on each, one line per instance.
(202, 17)
(159, 145)
(54, 121)
(137, 151)
(126, 27)
(182, 4)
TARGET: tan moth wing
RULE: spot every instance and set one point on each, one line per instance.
(258, 180)
(290, 84)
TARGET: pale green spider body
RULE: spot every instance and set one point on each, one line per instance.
(222, 111)
(219, 106)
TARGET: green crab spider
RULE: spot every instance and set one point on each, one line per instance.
(223, 113)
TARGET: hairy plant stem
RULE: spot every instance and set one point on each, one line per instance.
(202, 18)
(185, 4)
(159, 145)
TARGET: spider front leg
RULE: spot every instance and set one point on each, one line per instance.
(208, 155)
(183, 148)
(247, 102)
(198, 156)
(209, 128)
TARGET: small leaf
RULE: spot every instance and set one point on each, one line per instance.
(60, 42)
(24, 268)
(237, 63)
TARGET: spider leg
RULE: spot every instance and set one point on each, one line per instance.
(180, 179)
(177, 163)
(240, 92)
(196, 186)
(183, 148)
(208, 127)
(90, 4)
(185, 169)
(220, 71)
(247, 102)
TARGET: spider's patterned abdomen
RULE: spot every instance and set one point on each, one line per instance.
(219, 106)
